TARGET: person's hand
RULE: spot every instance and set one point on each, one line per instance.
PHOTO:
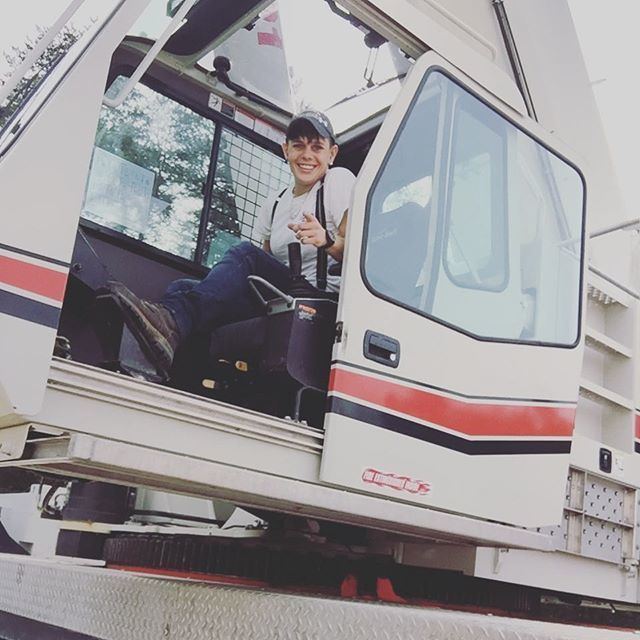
(310, 231)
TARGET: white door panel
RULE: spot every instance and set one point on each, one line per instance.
(456, 380)
(44, 160)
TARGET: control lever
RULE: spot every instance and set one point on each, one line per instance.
(295, 260)
(300, 286)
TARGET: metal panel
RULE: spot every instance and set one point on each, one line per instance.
(114, 606)
(598, 520)
(53, 148)
(194, 446)
(382, 433)
(101, 459)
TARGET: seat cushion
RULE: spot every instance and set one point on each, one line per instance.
(239, 341)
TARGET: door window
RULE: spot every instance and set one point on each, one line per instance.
(475, 252)
(152, 160)
(474, 223)
(399, 208)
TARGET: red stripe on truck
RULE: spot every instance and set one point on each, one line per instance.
(463, 416)
(33, 278)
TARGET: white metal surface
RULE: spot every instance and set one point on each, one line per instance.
(197, 447)
(112, 605)
(435, 355)
(52, 150)
(18, 73)
(599, 518)
(471, 41)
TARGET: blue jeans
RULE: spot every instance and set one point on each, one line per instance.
(224, 295)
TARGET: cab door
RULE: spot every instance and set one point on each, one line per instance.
(455, 378)
(45, 150)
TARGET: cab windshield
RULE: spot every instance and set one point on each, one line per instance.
(287, 55)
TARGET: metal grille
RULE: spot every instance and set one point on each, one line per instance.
(598, 520)
(245, 175)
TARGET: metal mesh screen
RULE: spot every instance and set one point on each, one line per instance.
(245, 175)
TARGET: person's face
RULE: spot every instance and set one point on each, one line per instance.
(309, 160)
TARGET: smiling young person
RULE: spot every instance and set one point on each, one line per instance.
(310, 150)
(224, 295)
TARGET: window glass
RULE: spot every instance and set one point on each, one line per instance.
(476, 245)
(400, 206)
(149, 165)
(245, 174)
(548, 194)
(24, 25)
(474, 223)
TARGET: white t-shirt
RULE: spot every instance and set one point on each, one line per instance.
(338, 188)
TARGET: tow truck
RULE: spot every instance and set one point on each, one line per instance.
(450, 451)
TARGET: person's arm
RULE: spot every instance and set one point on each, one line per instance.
(339, 186)
(312, 232)
(266, 245)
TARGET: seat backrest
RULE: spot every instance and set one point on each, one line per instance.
(396, 251)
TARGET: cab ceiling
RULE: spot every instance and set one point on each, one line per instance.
(207, 21)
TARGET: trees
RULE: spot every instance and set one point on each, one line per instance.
(43, 66)
(155, 136)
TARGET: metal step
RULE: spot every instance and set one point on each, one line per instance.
(116, 605)
(602, 395)
(604, 343)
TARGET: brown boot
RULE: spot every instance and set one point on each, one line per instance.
(151, 323)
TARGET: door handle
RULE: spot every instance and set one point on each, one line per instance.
(381, 348)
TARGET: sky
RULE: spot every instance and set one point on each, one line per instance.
(606, 31)
(608, 35)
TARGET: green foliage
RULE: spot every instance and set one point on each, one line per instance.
(173, 142)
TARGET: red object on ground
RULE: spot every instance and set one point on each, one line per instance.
(349, 587)
(385, 592)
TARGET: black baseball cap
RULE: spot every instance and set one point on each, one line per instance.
(317, 120)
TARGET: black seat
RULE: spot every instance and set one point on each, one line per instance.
(396, 251)
(239, 341)
(284, 352)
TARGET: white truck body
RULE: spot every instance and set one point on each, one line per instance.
(502, 445)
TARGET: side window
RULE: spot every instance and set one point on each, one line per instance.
(245, 174)
(66, 26)
(475, 224)
(399, 208)
(475, 252)
(149, 165)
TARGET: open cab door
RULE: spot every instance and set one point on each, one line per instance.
(455, 379)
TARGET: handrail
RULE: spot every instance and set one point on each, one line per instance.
(254, 280)
(619, 226)
(150, 56)
(32, 57)
(615, 227)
